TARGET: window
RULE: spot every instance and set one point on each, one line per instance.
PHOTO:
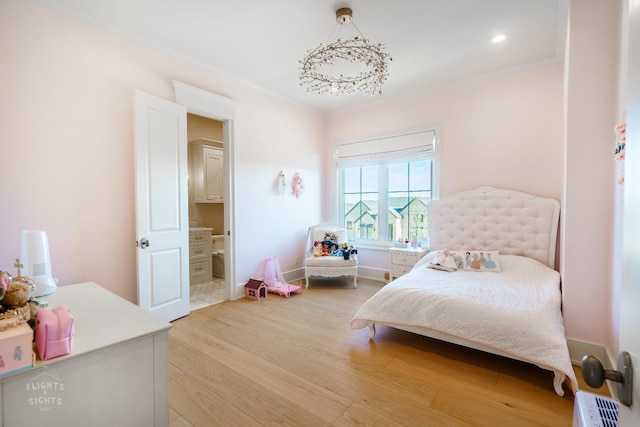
(385, 184)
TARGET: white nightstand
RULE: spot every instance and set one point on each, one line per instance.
(401, 260)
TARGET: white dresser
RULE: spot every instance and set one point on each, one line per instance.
(200, 255)
(116, 375)
(402, 260)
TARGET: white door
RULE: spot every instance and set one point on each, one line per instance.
(630, 293)
(162, 232)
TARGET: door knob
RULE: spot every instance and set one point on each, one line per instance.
(594, 374)
(144, 243)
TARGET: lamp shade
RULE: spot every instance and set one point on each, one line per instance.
(37, 262)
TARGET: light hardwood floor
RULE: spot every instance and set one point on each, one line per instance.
(296, 362)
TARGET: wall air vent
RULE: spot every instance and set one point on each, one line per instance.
(592, 410)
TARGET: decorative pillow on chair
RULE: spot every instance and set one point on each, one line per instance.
(478, 260)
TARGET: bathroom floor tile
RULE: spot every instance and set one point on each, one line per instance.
(205, 294)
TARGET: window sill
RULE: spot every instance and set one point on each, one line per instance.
(382, 247)
(373, 247)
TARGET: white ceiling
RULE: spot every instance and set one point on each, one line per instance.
(433, 42)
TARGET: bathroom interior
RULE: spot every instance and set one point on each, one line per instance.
(206, 211)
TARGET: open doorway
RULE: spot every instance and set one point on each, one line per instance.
(206, 210)
(205, 104)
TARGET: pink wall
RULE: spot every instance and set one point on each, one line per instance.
(504, 132)
(66, 138)
(589, 180)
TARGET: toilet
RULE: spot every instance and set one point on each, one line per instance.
(217, 255)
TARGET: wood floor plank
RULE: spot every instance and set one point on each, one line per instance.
(241, 389)
(297, 362)
(368, 387)
(200, 404)
(478, 410)
(358, 415)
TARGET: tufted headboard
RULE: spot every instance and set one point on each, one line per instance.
(489, 218)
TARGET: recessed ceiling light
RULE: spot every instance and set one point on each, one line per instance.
(499, 38)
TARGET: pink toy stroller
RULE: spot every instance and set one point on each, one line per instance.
(275, 281)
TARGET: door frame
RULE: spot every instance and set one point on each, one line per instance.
(206, 104)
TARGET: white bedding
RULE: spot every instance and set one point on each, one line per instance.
(515, 311)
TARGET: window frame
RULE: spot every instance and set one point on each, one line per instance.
(383, 240)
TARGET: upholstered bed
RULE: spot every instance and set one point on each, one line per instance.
(488, 281)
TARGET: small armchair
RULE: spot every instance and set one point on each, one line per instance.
(332, 264)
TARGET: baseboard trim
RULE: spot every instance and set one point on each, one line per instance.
(371, 273)
(375, 274)
(293, 275)
(578, 349)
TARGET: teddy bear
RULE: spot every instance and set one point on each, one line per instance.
(5, 279)
(17, 295)
(14, 293)
(332, 237)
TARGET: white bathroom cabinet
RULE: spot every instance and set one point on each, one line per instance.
(200, 255)
(208, 171)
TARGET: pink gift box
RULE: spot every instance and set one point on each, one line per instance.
(16, 349)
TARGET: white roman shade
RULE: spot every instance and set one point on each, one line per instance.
(406, 145)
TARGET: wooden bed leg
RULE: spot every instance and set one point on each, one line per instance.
(355, 285)
(557, 382)
(307, 280)
(372, 330)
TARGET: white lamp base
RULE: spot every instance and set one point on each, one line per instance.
(37, 262)
(44, 286)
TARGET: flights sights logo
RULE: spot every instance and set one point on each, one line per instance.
(45, 392)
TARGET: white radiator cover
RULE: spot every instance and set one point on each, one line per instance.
(592, 410)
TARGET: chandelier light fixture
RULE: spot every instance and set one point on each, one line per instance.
(345, 66)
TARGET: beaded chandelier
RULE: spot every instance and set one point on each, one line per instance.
(318, 66)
